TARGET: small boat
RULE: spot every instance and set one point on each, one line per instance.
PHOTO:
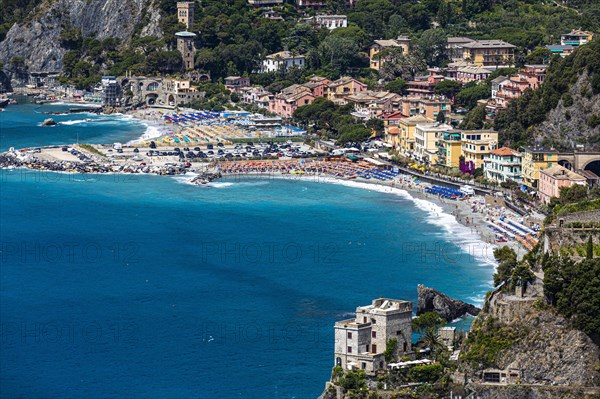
(4, 102)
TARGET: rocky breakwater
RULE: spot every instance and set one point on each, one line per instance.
(431, 300)
(206, 177)
(36, 159)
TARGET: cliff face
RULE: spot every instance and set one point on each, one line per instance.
(4, 83)
(37, 40)
(526, 336)
(430, 300)
(569, 123)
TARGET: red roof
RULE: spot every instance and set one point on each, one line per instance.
(394, 115)
(504, 152)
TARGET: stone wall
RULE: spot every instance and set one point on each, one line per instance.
(589, 216)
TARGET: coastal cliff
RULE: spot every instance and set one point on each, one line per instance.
(537, 350)
(5, 85)
(37, 40)
(431, 300)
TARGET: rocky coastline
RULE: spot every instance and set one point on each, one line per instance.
(431, 300)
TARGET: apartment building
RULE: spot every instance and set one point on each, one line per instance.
(489, 53)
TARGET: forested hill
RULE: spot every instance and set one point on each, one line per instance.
(565, 110)
(112, 36)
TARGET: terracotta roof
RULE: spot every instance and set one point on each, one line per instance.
(505, 152)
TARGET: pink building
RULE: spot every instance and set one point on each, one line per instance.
(235, 83)
(285, 103)
(555, 177)
(317, 85)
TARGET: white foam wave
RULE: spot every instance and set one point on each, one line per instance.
(75, 122)
(464, 237)
(220, 184)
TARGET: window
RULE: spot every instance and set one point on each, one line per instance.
(349, 335)
(363, 365)
(349, 349)
(373, 334)
(373, 348)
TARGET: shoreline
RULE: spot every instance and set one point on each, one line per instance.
(463, 222)
(459, 223)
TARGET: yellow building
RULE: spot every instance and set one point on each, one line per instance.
(402, 42)
(477, 144)
(449, 148)
(407, 128)
(489, 53)
(392, 135)
(534, 159)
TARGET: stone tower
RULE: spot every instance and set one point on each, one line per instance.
(185, 13)
(187, 48)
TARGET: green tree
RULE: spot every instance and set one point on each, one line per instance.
(164, 62)
(590, 248)
(397, 85)
(391, 346)
(354, 381)
(471, 92)
(448, 88)
(540, 55)
(428, 322)
(70, 37)
(433, 45)
(375, 124)
(507, 262)
(399, 64)
(353, 134)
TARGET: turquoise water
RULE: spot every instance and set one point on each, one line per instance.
(20, 126)
(149, 287)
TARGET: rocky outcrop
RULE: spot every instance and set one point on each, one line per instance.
(4, 83)
(569, 125)
(552, 358)
(534, 392)
(49, 122)
(37, 40)
(430, 300)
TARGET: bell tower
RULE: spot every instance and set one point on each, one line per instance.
(185, 45)
(185, 13)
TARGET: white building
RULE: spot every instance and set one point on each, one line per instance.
(111, 93)
(360, 342)
(502, 165)
(282, 59)
(332, 21)
(426, 137)
(257, 96)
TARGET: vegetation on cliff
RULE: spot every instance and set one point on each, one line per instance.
(518, 123)
(574, 289)
(233, 37)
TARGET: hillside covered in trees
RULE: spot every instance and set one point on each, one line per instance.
(234, 37)
(565, 110)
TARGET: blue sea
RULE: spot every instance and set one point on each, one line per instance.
(150, 287)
